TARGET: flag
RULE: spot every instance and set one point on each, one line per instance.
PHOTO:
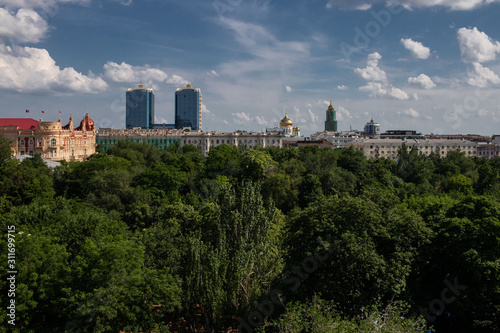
(60, 111)
(27, 111)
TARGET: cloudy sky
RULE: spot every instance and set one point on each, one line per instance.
(429, 65)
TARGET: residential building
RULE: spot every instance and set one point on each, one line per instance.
(488, 150)
(140, 108)
(160, 138)
(188, 108)
(390, 148)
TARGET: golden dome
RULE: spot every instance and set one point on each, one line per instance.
(331, 107)
(286, 121)
(296, 129)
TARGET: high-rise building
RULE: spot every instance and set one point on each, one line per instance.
(331, 119)
(372, 128)
(140, 109)
(188, 108)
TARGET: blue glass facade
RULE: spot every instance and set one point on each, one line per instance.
(140, 108)
(188, 108)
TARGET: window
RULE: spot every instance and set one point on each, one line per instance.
(51, 154)
(31, 142)
(53, 142)
(31, 153)
(39, 143)
(22, 143)
(55, 154)
(22, 152)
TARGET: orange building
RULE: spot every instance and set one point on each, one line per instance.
(51, 140)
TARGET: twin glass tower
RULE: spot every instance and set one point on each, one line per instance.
(140, 108)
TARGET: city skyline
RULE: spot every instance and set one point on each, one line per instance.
(429, 65)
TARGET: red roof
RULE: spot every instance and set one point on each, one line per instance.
(22, 123)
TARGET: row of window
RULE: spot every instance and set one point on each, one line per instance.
(53, 143)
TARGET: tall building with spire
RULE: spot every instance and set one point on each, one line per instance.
(140, 108)
(331, 119)
(188, 108)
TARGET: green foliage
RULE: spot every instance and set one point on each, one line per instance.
(320, 316)
(208, 240)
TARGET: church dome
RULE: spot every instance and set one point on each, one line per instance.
(287, 122)
(296, 129)
(331, 107)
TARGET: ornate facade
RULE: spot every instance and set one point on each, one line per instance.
(52, 140)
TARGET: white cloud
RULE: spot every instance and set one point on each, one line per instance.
(288, 89)
(241, 118)
(398, 94)
(213, 73)
(342, 87)
(314, 118)
(25, 26)
(133, 74)
(418, 50)
(410, 113)
(261, 120)
(27, 69)
(451, 4)
(375, 89)
(372, 72)
(127, 73)
(343, 113)
(480, 76)
(476, 46)
(423, 81)
(177, 80)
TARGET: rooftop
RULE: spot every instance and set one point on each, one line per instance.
(22, 123)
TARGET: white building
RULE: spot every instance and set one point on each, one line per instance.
(390, 148)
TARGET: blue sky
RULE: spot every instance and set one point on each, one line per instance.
(429, 65)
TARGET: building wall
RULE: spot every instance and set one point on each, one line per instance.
(488, 150)
(390, 148)
(140, 108)
(188, 108)
(204, 141)
(160, 138)
(53, 141)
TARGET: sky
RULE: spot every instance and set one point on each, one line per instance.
(426, 65)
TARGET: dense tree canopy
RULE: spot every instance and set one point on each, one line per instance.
(139, 239)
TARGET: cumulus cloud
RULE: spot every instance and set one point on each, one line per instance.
(423, 81)
(261, 120)
(451, 4)
(27, 69)
(476, 46)
(372, 72)
(377, 89)
(342, 87)
(480, 76)
(126, 73)
(417, 49)
(409, 113)
(241, 118)
(288, 89)
(397, 94)
(25, 26)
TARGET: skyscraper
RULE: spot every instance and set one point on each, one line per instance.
(140, 109)
(188, 108)
(331, 119)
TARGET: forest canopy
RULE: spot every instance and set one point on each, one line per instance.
(139, 239)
